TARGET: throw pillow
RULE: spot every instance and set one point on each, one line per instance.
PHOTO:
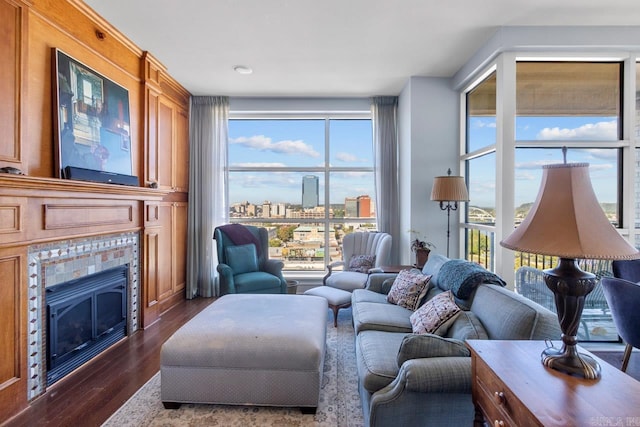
(429, 345)
(408, 289)
(242, 258)
(435, 316)
(362, 263)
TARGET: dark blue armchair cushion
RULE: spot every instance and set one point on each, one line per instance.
(462, 277)
(242, 258)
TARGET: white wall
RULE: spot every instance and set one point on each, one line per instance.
(428, 140)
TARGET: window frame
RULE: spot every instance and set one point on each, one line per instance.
(325, 171)
(504, 65)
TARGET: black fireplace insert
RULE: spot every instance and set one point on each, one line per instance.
(84, 317)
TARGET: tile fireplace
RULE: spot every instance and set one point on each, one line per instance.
(53, 264)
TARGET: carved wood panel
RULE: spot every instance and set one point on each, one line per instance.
(14, 19)
(13, 383)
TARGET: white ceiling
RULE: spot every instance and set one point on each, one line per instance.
(331, 47)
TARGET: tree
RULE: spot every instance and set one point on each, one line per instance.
(285, 232)
(275, 243)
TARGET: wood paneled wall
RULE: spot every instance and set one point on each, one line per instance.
(37, 207)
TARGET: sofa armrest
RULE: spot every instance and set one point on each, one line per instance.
(416, 346)
(375, 282)
(433, 375)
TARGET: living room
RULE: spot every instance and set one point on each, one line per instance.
(49, 219)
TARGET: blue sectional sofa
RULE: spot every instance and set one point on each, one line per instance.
(407, 379)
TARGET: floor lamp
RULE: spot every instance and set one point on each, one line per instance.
(566, 221)
(448, 189)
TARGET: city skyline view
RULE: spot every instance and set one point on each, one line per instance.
(299, 145)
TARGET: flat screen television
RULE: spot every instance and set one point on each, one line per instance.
(92, 124)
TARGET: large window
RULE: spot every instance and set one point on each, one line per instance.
(308, 181)
(573, 104)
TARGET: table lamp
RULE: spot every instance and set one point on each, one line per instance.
(449, 189)
(567, 221)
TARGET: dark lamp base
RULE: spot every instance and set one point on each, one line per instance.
(568, 360)
(570, 286)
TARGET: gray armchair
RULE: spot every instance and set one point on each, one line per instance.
(624, 299)
(243, 261)
(376, 246)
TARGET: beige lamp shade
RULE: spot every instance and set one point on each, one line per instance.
(567, 221)
(449, 189)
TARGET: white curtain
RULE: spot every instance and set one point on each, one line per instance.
(208, 204)
(384, 111)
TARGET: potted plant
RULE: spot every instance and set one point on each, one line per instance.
(421, 247)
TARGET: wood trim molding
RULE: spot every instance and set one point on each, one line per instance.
(22, 185)
(74, 216)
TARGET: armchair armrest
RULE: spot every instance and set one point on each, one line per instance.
(273, 266)
(330, 268)
(227, 284)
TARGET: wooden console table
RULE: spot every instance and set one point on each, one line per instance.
(511, 387)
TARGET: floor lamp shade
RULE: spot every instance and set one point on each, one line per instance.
(567, 221)
(447, 189)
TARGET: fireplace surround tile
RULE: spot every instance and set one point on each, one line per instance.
(53, 263)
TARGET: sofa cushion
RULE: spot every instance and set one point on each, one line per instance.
(242, 258)
(380, 317)
(365, 295)
(467, 327)
(408, 289)
(435, 315)
(463, 277)
(428, 345)
(506, 315)
(362, 263)
(432, 267)
(376, 354)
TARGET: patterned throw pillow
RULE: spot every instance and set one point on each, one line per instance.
(436, 315)
(362, 263)
(408, 289)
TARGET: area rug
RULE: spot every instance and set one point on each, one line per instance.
(339, 400)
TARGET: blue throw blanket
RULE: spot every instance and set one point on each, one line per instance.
(462, 277)
(240, 235)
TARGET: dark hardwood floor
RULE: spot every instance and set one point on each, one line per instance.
(88, 396)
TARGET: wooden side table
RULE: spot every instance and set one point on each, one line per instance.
(511, 387)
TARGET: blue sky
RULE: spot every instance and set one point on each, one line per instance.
(280, 143)
(603, 162)
(298, 143)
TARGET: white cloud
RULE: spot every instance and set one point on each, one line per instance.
(526, 176)
(535, 164)
(264, 143)
(600, 131)
(484, 124)
(348, 157)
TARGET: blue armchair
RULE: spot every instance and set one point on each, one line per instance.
(243, 261)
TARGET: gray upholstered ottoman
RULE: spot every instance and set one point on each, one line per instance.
(248, 350)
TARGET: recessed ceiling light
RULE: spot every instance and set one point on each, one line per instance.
(242, 69)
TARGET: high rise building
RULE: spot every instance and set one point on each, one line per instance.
(310, 191)
(364, 206)
(351, 207)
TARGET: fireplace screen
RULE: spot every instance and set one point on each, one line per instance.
(85, 316)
